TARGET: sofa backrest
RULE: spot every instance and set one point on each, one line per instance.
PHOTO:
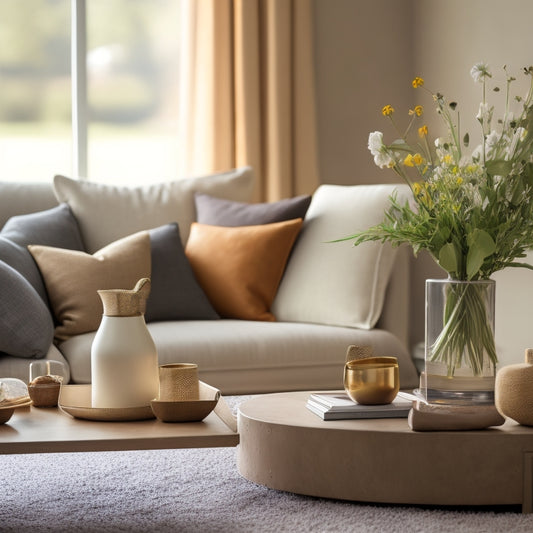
(22, 198)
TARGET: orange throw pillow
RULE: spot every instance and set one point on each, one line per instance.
(240, 268)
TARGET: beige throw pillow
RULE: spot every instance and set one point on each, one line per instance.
(337, 283)
(72, 279)
(106, 213)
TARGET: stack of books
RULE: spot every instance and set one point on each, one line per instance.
(339, 406)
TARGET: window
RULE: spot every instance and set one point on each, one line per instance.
(35, 105)
(129, 97)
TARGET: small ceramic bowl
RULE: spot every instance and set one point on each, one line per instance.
(373, 380)
(5, 414)
(182, 411)
(44, 395)
(187, 410)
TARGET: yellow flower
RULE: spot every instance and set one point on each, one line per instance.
(417, 82)
(418, 111)
(448, 159)
(412, 160)
(422, 131)
(418, 159)
(408, 161)
(459, 181)
(387, 111)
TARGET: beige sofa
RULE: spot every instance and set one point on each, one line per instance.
(331, 295)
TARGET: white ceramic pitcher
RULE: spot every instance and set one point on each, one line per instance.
(124, 366)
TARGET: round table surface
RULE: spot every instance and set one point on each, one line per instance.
(284, 446)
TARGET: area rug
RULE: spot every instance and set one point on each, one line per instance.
(198, 490)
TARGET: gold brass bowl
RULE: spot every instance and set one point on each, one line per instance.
(373, 380)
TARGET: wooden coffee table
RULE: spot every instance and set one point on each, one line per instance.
(285, 446)
(39, 430)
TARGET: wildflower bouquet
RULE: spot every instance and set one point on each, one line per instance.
(473, 212)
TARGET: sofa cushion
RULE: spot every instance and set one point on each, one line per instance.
(240, 268)
(72, 279)
(221, 212)
(337, 283)
(242, 357)
(26, 327)
(175, 294)
(53, 227)
(106, 213)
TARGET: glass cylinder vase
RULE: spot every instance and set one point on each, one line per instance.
(460, 353)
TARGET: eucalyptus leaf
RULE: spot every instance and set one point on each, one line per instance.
(480, 246)
(448, 258)
(499, 167)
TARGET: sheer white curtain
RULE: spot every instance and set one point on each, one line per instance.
(247, 92)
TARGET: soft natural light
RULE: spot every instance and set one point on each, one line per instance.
(132, 60)
(132, 90)
(35, 105)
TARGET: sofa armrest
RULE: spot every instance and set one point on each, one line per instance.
(23, 198)
(395, 314)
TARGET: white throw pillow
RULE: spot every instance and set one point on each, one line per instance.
(106, 213)
(337, 283)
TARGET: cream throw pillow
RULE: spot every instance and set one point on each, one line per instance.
(72, 279)
(337, 283)
(106, 213)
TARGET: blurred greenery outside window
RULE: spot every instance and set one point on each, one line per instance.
(132, 90)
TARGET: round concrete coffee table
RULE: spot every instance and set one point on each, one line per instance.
(286, 447)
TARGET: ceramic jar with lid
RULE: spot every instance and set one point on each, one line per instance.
(514, 390)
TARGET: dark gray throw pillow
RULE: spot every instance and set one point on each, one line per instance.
(54, 227)
(220, 212)
(175, 294)
(26, 326)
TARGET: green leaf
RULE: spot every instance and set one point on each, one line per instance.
(480, 246)
(448, 258)
(499, 167)
(466, 140)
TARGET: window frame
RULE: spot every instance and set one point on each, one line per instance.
(78, 41)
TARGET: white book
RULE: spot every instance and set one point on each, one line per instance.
(339, 406)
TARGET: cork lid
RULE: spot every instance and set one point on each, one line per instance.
(124, 302)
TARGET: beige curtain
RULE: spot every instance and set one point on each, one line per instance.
(247, 93)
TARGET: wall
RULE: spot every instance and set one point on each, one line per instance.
(367, 53)
(361, 55)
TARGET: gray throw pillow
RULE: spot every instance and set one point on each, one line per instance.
(26, 326)
(54, 227)
(175, 294)
(220, 212)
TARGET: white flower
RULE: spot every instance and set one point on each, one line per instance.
(480, 71)
(476, 153)
(484, 114)
(378, 149)
(492, 140)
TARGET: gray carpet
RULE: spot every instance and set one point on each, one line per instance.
(197, 491)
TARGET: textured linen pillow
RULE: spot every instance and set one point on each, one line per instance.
(106, 213)
(72, 279)
(240, 268)
(175, 294)
(54, 227)
(337, 283)
(26, 327)
(221, 212)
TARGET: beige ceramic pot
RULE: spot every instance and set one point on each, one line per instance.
(514, 391)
